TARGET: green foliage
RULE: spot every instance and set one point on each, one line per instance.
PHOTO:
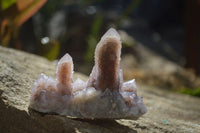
(90, 2)
(93, 37)
(6, 4)
(129, 10)
(193, 92)
(50, 49)
(52, 6)
(52, 53)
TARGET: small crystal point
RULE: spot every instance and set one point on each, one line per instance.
(130, 86)
(64, 75)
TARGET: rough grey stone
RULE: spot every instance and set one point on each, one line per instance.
(167, 111)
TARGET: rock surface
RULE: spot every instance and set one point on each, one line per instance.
(167, 111)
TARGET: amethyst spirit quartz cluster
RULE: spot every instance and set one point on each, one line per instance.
(103, 96)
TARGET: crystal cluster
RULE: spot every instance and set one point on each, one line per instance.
(103, 96)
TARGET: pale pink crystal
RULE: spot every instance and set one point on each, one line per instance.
(103, 96)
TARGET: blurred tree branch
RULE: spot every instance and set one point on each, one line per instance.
(13, 15)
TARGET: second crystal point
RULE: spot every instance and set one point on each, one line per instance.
(64, 75)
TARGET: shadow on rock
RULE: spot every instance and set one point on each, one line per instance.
(83, 125)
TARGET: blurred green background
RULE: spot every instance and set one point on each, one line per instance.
(170, 29)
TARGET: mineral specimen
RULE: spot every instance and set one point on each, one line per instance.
(103, 96)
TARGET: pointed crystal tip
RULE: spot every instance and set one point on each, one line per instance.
(111, 33)
(65, 58)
